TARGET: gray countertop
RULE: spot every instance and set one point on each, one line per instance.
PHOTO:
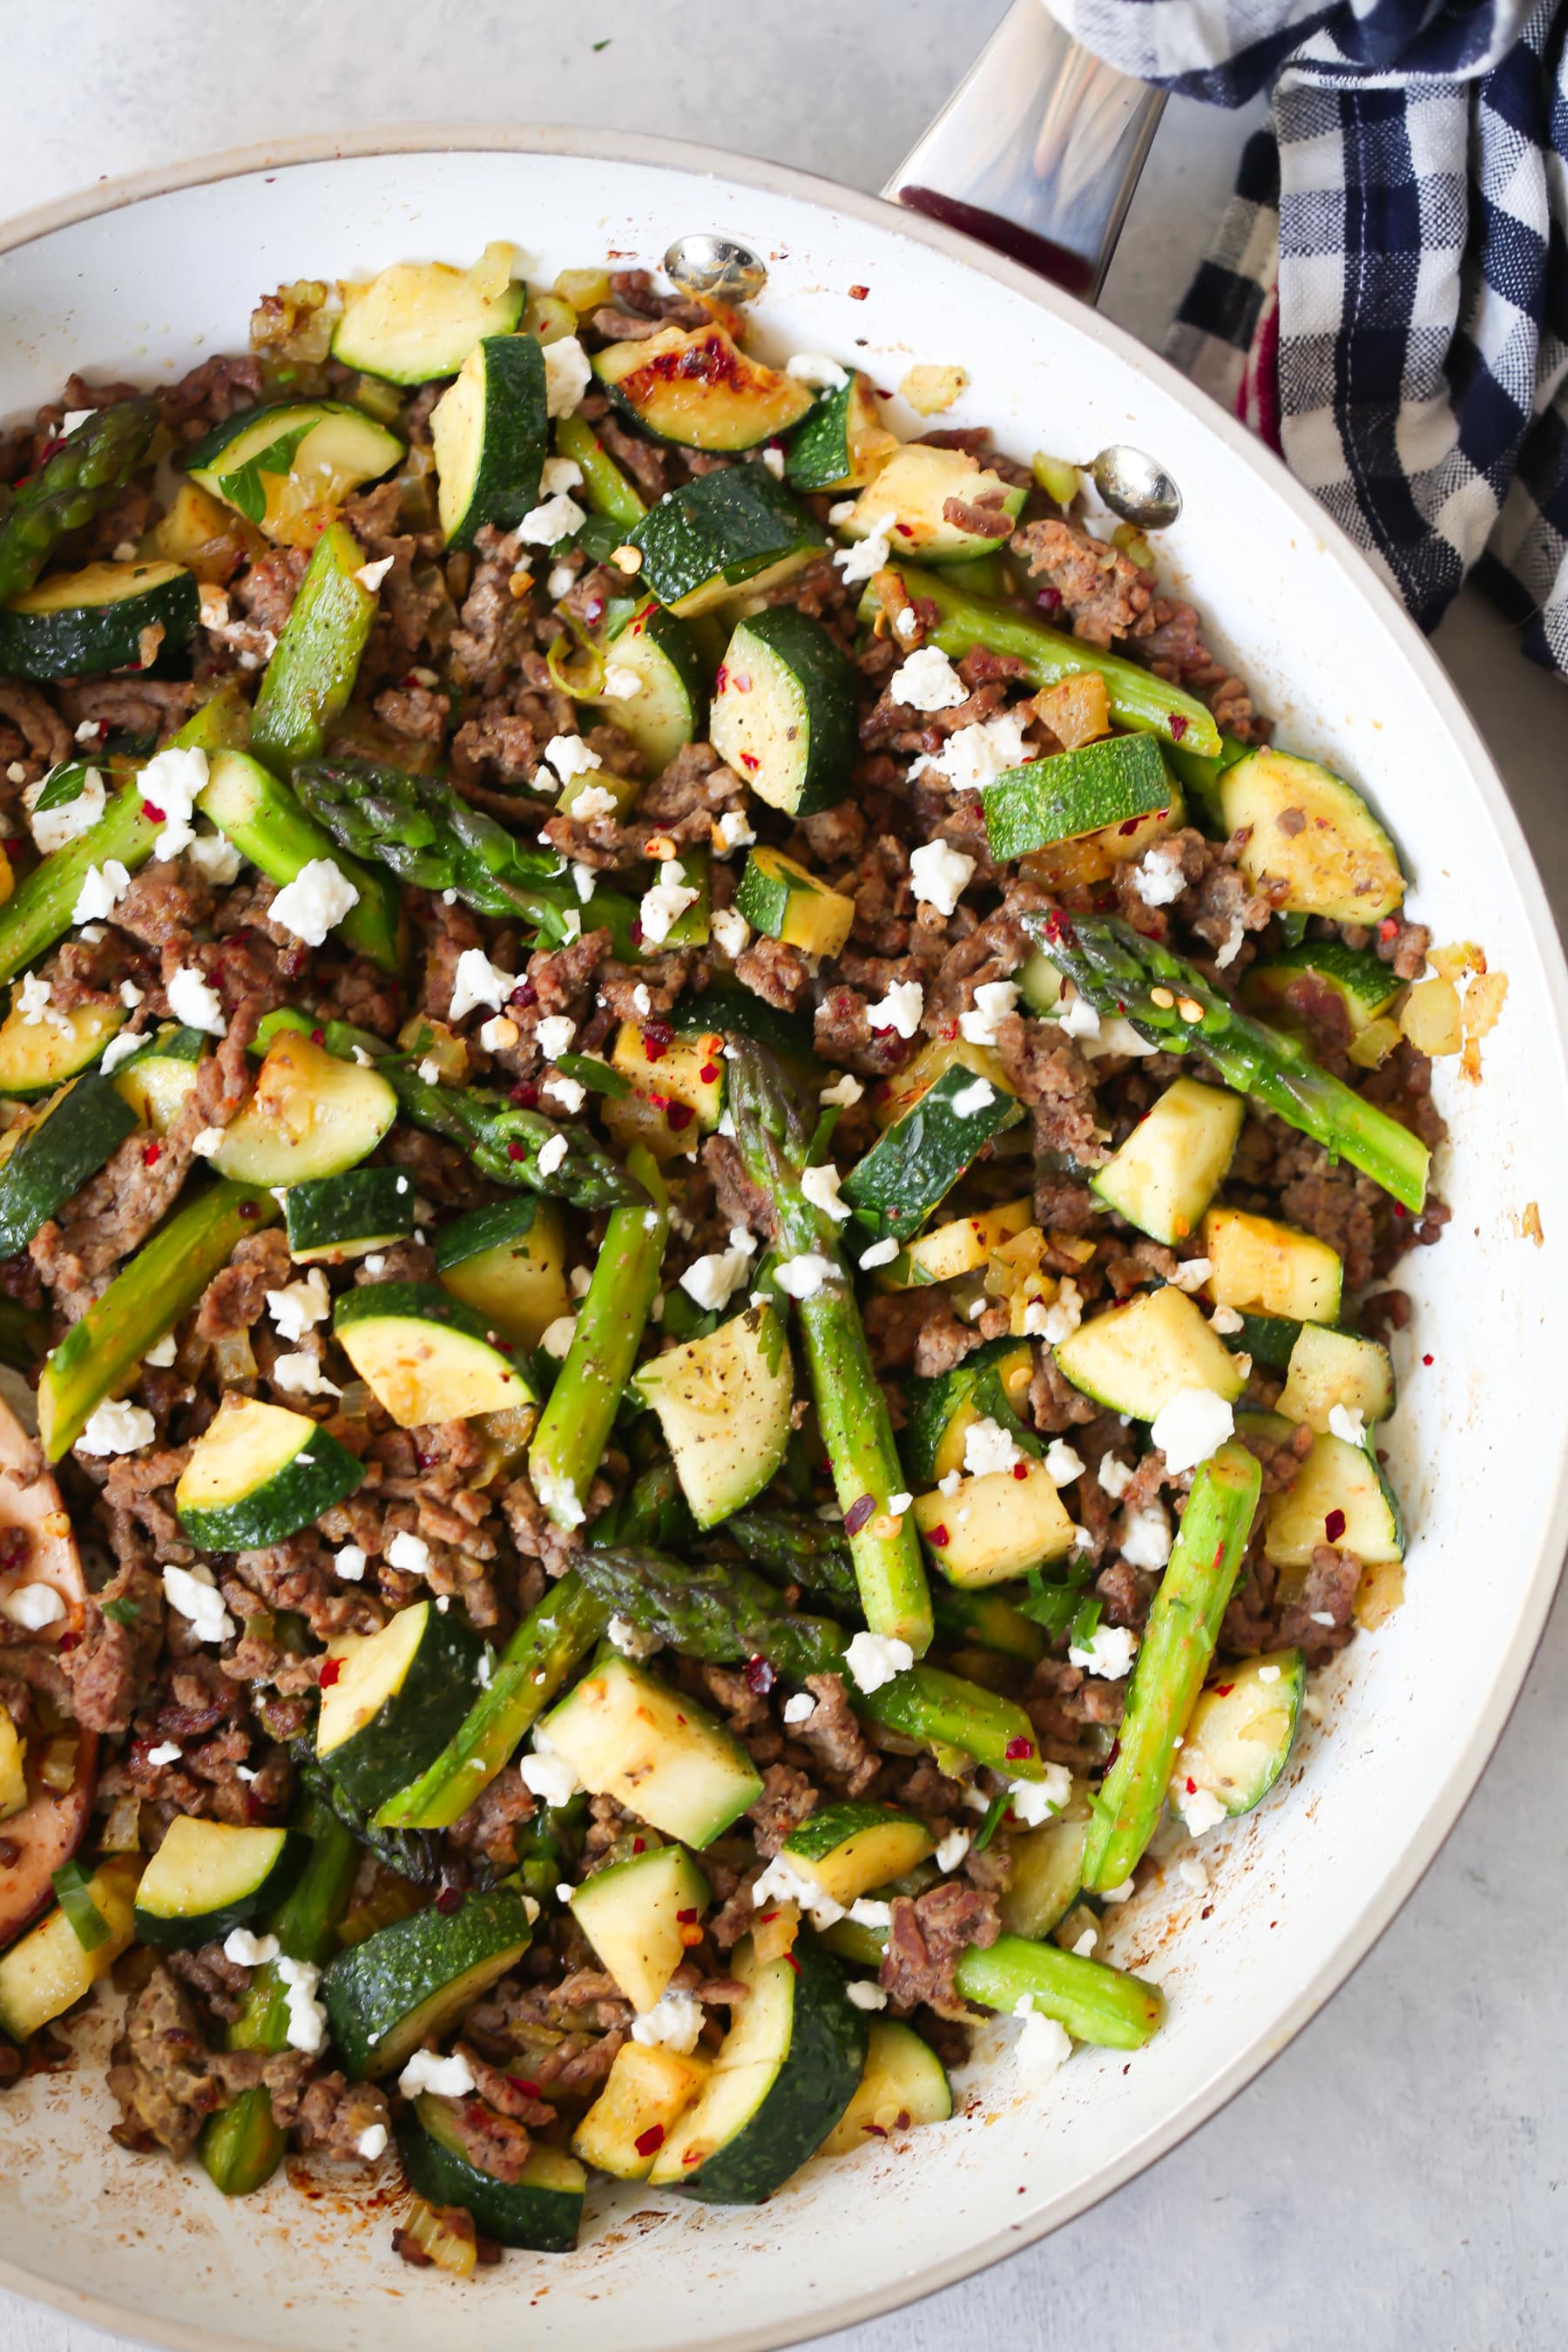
(1396, 2178)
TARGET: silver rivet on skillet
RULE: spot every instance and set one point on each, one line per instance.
(1136, 488)
(716, 265)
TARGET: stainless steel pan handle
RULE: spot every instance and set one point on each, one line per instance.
(1038, 152)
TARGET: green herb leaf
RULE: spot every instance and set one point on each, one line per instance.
(1086, 1620)
(989, 1826)
(596, 1075)
(87, 1924)
(65, 784)
(244, 487)
(123, 1613)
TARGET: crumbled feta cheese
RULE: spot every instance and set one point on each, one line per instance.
(940, 874)
(351, 1563)
(620, 683)
(168, 1752)
(993, 1000)
(800, 1709)
(864, 1994)
(301, 1305)
(171, 782)
(952, 1848)
(874, 1659)
(498, 1033)
(34, 1606)
(593, 800)
(732, 932)
(567, 375)
(570, 756)
(1042, 2043)
(1190, 1428)
(901, 1009)
(556, 1338)
(820, 1186)
(1230, 946)
(301, 1374)
(1193, 1874)
(477, 981)
(975, 756)
(117, 1427)
(161, 1352)
(1116, 1037)
(675, 2021)
(1226, 1322)
(781, 1883)
(559, 473)
(926, 680)
(1062, 1463)
(838, 515)
(712, 1281)
(484, 1673)
(843, 1093)
(1108, 1654)
(315, 902)
(547, 1774)
(247, 1950)
(554, 1035)
(868, 1914)
(207, 1142)
(1267, 1674)
(642, 1003)
(1157, 877)
(803, 1278)
(371, 576)
(570, 1093)
(193, 1002)
(1201, 1809)
(430, 1071)
(1123, 1894)
(1076, 1016)
(32, 1000)
(988, 1448)
(869, 555)
(118, 1049)
(552, 520)
(372, 2142)
(1322, 1616)
(663, 906)
(976, 1096)
(952, 1479)
(734, 831)
(880, 1253)
(410, 1552)
(552, 1153)
(193, 1593)
(1033, 1802)
(103, 889)
(632, 1640)
(1085, 1946)
(73, 420)
(774, 459)
(90, 729)
(54, 827)
(815, 368)
(450, 2078)
(15, 772)
(1113, 1476)
(1146, 1537)
(1192, 1275)
(214, 858)
(1347, 1423)
(130, 996)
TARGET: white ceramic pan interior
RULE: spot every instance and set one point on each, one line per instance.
(1302, 1887)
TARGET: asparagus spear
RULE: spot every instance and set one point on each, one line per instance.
(852, 1413)
(575, 1424)
(1094, 2001)
(943, 1710)
(605, 489)
(1178, 1644)
(408, 1852)
(552, 1640)
(146, 1298)
(712, 1610)
(242, 2147)
(311, 674)
(90, 467)
(267, 824)
(507, 1143)
(1117, 970)
(1136, 696)
(818, 1559)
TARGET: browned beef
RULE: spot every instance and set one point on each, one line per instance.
(929, 1935)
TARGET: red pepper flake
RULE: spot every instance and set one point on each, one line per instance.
(1387, 929)
(331, 1669)
(679, 1115)
(1049, 600)
(14, 846)
(750, 762)
(317, 1036)
(758, 1676)
(1399, 1209)
(634, 927)
(685, 1919)
(1129, 824)
(859, 293)
(247, 1209)
(763, 1916)
(449, 1899)
(1223, 1690)
(150, 1154)
(1018, 1751)
(721, 680)
(154, 816)
(793, 1961)
(637, 1844)
(658, 1037)
(707, 1072)
(1426, 1360)
(1115, 1752)
(529, 2089)
(1178, 726)
(1020, 1469)
(878, 2131)
(1192, 1786)
(1058, 929)
(859, 1511)
(692, 2156)
(516, 1150)
(649, 2142)
(524, 995)
(1334, 1526)
(525, 1093)
(938, 1535)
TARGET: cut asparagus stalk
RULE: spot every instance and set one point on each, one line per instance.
(943, 1710)
(1178, 1644)
(311, 674)
(851, 1408)
(1136, 696)
(267, 824)
(713, 1610)
(1117, 970)
(575, 1424)
(605, 489)
(146, 1299)
(1094, 2001)
(508, 1143)
(817, 1558)
(90, 467)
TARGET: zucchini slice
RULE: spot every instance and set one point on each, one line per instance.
(50, 1970)
(395, 1700)
(541, 2210)
(917, 1160)
(1340, 1497)
(339, 1217)
(1239, 1737)
(426, 1356)
(422, 319)
(1267, 1338)
(721, 531)
(697, 387)
(1309, 831)
(209, 1876)
(157, 1079)
(626, 1735)
(1264, 1268)
(13, 1769)
(847, 1849)
(783, 712)
(670, 704)
(281, 466)
(1047, 1870)
(724, 1402)
(1329, 1367)
(1135, 1357)
(843, 442)
(787, 2070)
(633, 1915)
(258, 1472)
(1108, 786)
(406, 1983)
(962, 1246)
(79, 624)
(646, 2091)
(508, 1262)
(997, 1525)
(489, 432)
(1174, 1161)
(310, 1115)
(785, 900)
(914, 488)
(992, 1381)
(677, 1090)
(904, 2083)
(56, 1153)
(1364, 985)
(36, 1057)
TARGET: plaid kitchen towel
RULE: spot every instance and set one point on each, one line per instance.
(1386, 297)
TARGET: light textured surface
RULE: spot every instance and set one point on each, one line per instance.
(1396, 2178)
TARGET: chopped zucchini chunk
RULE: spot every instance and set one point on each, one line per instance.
(37, 1056)
(697, 387)
(669, 705)
(677, 1089)
(914, 488)
(339, 1217)
(634, 1914)
(426, 1356)
(990, 1381)
(13, 1768)
(724, 1402)
(1331, 1370)
(258, 1474)
(157, 1079)
(310, 1114)
(1113, 784)
(408, 1982)
(786, 901)
(541, 2210)
(725, 530)
(783, 712)
(628, 1736)
(1341, 1498)
(490, 434)
(107, 616)
(283, 466)
(949, 1104)
(1239, 1736)
(1263, 1267)
(996, 1526)
(1135, 1357)
(1318, 975)
(419, 320)
(847, 1849)
(50, 1970)
(842, 443)
(1047, 1870)
(395, 1699)
(62, 1145)
(1173, 1162)
(508, 1262)
(646, 2091)
(209, 1876)
(904, 2083)
(1306, 829)
(962, 1246)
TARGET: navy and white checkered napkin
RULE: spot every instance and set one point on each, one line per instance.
(1386, 297)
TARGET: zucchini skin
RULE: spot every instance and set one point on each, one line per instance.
(1112, 782)
(377, 1986)
(55, 1155)
(513, 2212)
(417, 1720)
(287, 1501)
(361, 1205)
(170, 1931)
(513, 434)
(718, 532)
(919, 1158)
(819, 2077)
(86, 640)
